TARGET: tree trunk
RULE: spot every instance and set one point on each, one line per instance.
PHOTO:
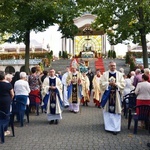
(143, 35)
(27, 50)
(144, 49)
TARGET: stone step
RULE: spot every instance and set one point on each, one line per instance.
(60, 65)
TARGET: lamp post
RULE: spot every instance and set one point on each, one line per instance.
(33, 48)
(18, 49)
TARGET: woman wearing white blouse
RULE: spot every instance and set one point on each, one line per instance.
(143, 91)
(22, 90)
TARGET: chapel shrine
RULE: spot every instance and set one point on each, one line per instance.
(88, 43)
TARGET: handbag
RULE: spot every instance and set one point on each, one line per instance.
(105, 96)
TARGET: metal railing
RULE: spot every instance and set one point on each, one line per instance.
(19, 61)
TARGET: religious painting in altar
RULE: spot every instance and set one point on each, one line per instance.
(88, 47)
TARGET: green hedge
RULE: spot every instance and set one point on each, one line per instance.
(22, 55)
(137, 54)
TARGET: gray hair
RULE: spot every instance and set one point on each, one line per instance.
(138, 70)
(132, 73)
(112, 62)
(8, 76)
(23, 75)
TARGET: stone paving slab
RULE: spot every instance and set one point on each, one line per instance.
(82, 131)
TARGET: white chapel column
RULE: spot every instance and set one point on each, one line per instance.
(73, 44)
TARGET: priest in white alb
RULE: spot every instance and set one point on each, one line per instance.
(74, 83)
(112, 110)
(52, 86)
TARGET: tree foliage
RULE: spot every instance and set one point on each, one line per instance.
(123, 20)
(20, 17)
(69, 11)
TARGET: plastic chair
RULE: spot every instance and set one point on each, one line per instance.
(143, 112)
(4, 122)
(132, 91)
(27, 112)
(17, 110)
(129, 102)
(33, 98)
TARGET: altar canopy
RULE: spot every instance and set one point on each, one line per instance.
(88, 42)
(88, 46)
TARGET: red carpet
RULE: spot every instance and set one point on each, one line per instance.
(99, 65)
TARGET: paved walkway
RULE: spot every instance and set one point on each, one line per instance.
(82, 131)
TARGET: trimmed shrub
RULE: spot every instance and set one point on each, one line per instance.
(113, 54)
(132, 65)
(60, 54)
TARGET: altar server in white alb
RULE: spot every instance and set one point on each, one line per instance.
(112, 109)
(65, 92)
(53, 87)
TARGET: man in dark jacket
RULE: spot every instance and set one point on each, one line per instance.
(90, 75)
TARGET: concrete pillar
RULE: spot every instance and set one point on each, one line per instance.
(73, 52)
(63, 44)
(70, 48)
(112, 47)
(104, 44)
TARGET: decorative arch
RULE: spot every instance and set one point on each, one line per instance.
(22, 68)
(10, 69)
(87, 38)
(94, 41)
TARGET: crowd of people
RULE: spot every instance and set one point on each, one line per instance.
(59, 91)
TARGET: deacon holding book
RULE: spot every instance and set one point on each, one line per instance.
(112, 110)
